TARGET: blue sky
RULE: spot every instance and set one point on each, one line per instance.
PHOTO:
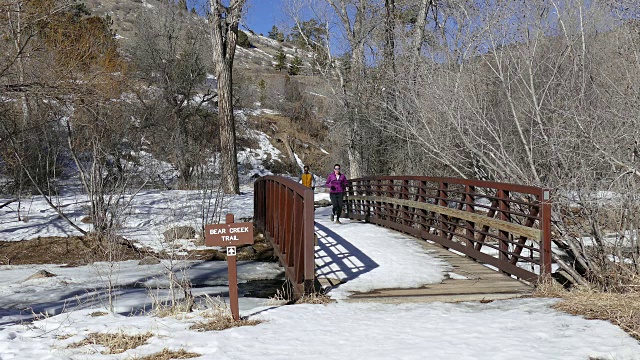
(262, 14)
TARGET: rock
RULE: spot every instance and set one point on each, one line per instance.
(149, 261)
(41, 274)
(199, 240)
(246, 253)
(323, 202)
(179, 232)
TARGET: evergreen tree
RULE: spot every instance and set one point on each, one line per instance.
(262, 87)
(314, 33)
(296, 65)
(243, 39)
(182, 4)
(281, 60)
(276, 34)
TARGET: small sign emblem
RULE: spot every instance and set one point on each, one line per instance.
(231, 251)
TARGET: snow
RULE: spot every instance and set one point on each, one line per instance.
(299, 161)
(40, 318)
(257, 112)
(513, 329)
(369, 257)
(149, 213)
(135, 285)
(253, 159)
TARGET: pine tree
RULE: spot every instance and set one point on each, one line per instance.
(182, 4)
(296, 66)
(276, 34)
(262, 87)
(281, 60)
(243, 39)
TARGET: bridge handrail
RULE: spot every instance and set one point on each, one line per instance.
(511, 219)
(283, 211)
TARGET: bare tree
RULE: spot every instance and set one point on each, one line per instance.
(171, 53)
(547, 100)
(224, 22)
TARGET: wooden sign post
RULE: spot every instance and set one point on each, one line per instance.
(230, 235)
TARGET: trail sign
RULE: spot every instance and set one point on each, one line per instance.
(229, 234)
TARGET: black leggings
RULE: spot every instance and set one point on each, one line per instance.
(337, 202)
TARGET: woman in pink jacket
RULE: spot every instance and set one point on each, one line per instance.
(337, 184)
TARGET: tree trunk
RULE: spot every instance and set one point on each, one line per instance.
(418, 30)
(228, 152)
(224, 37)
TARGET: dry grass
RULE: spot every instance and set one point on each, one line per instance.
(219, 318)
(165, 310)
(285, 295)
(223, 323)
(315, 298)
(116, 342)
(621, 309)
(167, 354)
(72, 250)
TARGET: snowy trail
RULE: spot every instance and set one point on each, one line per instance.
(366, 257)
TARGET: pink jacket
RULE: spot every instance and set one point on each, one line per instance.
(336, 184)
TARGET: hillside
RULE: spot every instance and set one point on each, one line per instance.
(259, 57)
(291, 111)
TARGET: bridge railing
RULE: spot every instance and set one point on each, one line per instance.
(283, 211)
(507, 226)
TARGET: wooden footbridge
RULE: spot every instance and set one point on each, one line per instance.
(497, 235)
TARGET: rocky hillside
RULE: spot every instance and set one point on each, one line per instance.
(293, 111)
(258, 56)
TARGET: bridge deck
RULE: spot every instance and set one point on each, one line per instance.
(481, 284)
(467, 280)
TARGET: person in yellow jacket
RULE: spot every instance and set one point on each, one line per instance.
(307, 179)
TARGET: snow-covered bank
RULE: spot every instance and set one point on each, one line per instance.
(146, 216)
(513, 329)
(135, 287)
(365, 256)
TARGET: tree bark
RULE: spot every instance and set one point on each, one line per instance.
(228, 152)
(418, 30)
(224, 37)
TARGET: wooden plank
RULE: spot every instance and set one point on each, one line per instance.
(441, 291)
(437, 298)
(482, 283)
(516, 229)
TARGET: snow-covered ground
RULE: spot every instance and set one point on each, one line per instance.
(366, 257)
(513, 329)
(145, 217)
(135, 287)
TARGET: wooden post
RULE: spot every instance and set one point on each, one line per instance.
(545, 228)
(233, 276)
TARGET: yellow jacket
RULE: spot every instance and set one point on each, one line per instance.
(307, 180)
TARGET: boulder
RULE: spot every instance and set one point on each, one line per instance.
(246, 253)
(41, 274)
(179, 232)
